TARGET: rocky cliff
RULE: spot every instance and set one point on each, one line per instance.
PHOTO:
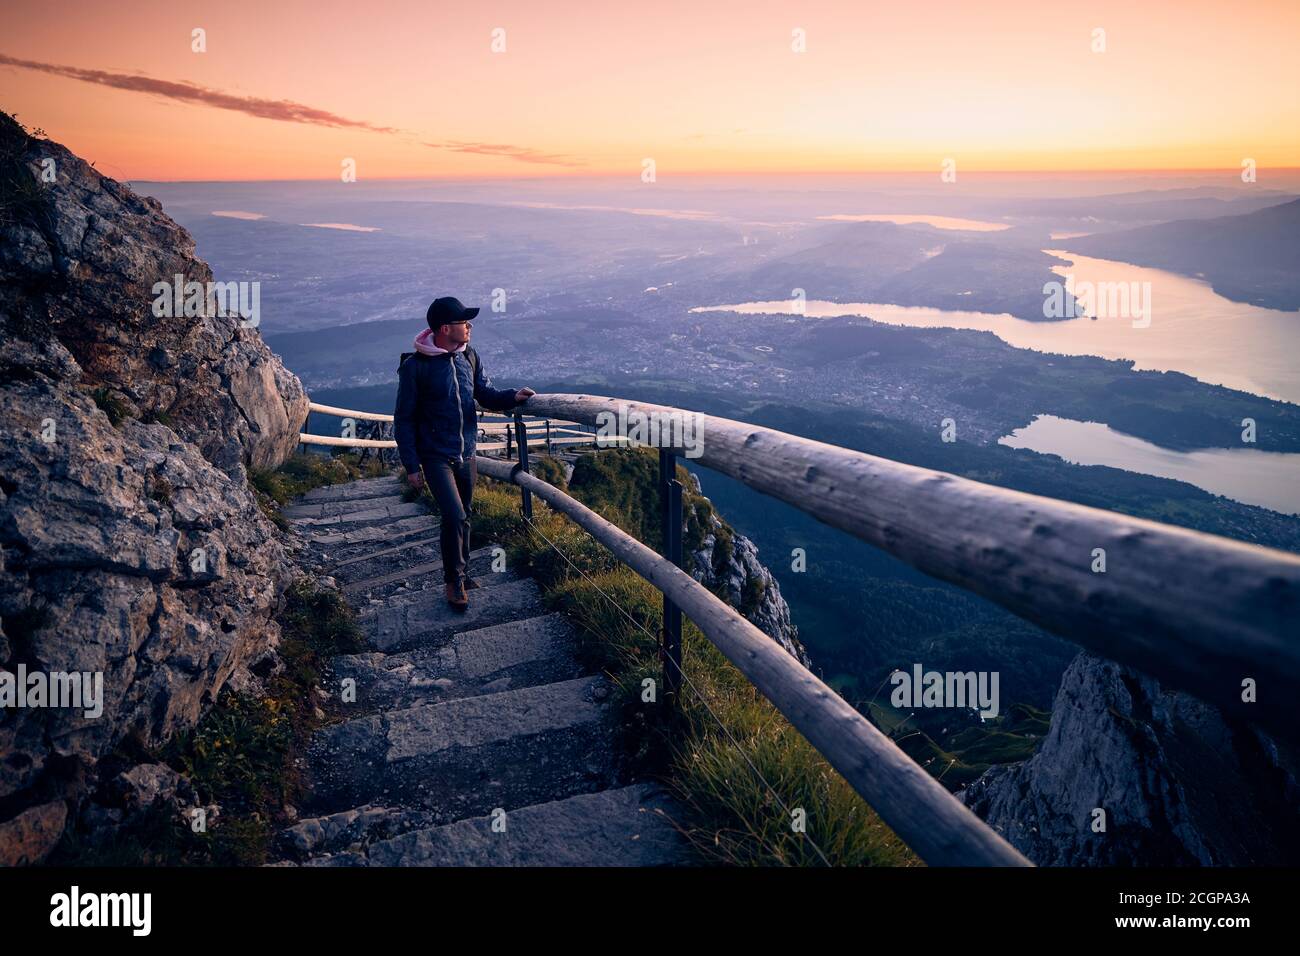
(1179, 785)
(130, 544)
(727, 563)
(623, 485)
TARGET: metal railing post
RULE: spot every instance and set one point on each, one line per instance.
(548, 436)
(521, 434)
(670, 510)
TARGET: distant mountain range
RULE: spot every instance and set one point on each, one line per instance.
(1252, 258)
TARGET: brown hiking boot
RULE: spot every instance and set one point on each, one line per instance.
(456, 596)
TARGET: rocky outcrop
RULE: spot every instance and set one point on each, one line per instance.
(131, 546)
(81, 261)
(726, 562)
(29, 837)
(1179, 785)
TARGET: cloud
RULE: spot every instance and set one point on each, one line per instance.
(521, 153)
(284, 110)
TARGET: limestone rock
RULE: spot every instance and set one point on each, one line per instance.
(727, 563)
(80, 266)
(148, 784)
(29, 837)
(1179, 785)
(130, 543)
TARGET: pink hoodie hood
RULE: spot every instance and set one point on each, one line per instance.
(424, 344)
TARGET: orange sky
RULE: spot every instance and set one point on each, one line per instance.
(700, 86)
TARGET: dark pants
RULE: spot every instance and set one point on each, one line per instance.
(452, 485)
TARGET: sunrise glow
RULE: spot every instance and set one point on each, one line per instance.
(286, 91)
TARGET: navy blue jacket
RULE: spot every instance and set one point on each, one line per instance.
(435, 415)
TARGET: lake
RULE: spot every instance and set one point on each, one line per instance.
(1192, 329)
(1254, 477)
(938, 222)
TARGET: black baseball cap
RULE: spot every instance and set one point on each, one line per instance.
(448, 310)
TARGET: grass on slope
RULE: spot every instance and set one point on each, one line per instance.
(703, 751)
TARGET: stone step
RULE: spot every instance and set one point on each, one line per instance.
(466, 757)
(355, 490)
(324, 539)
(374, 562)
(337, 832)
(628, 826)
(330, 509)
(404, 577)
(371, 554)
(347, 554)
(383, 512)
(487, 660)
(427, 581)
(427, 619)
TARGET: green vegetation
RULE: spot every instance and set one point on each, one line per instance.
(732, 816)
(621, 485)
(160, 489)
(111, 405)
(23, 200)
(242, 756)
(118, 410)
(752, 594)
(550, 470)
(305, 471)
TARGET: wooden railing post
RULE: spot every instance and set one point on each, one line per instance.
(521, 435)
(670, 510)
(1198, 612)
(927, 817)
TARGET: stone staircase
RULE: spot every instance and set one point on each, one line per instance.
(476, 738)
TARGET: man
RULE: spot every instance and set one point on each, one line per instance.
(436, 425)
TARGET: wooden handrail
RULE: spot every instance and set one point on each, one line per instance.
(496, 428)
(380, 417)
(330, 440)
(557, 434)
(307, 439)
(913, 804)
(1202, 613)
(348, 413)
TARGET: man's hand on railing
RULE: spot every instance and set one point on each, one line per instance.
(524, 394)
